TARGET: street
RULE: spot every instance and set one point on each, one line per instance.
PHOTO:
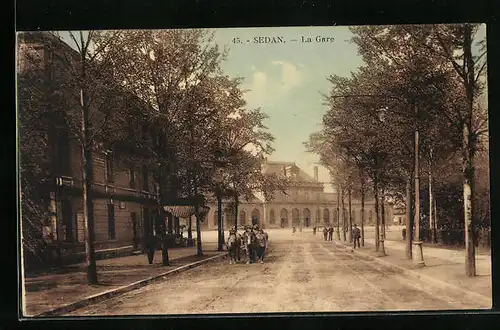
(301, 273)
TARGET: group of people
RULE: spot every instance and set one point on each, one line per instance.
(328, 234)
(254, 241)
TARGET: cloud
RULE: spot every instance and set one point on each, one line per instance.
(267, 87)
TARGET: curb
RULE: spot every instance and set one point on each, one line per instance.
(411, 273)
(124, 289)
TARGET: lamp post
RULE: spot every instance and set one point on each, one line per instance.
(418, 256)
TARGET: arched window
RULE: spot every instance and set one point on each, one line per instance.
(326, 216)
(216, 216)
(272, 217)
(243, 217)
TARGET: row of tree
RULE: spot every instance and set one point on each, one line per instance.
(415, 109)
(158, 98)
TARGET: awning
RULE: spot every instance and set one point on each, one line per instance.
(184, 211)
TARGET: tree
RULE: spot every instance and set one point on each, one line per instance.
(79, 78)
(452, 51)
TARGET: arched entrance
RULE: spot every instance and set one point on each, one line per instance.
(307, 217)
(255, 217)
(284, 218)
(318, 217)
(272, 217)
(326, 216)
(242, 218)
(295, 217)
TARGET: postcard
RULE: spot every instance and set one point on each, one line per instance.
(253, 170)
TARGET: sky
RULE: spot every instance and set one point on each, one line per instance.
(287, 80)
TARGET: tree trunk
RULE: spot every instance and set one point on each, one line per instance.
(338, 212)
(377, 215)
(190, 230)
(220, 246)
(431, 199)
(349, 228)
(236, 212)
(382, 223)
(343, 215)
(408, 248)
(435, 221)
(87, 173)
(199, 250)
(362, 210)
(468, 185)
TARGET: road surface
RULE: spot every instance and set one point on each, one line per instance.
(301, 273)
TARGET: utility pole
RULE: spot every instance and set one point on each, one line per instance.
(409, 230)
(419, 256)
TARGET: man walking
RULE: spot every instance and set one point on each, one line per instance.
(260, 245)
(330, 233)
(150, 243)
(356, 234)
(325, 233)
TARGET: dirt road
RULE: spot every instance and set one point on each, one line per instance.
(301, 273)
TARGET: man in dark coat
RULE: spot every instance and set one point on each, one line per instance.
(325, 232)
(330, 233)
(356, 234)
(151, 245)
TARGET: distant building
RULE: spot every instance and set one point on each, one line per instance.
(305, 204)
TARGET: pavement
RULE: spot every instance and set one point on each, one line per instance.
(303, 273)
(66, 288)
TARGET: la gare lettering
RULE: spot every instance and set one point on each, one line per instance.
(318, 39)
(268, 40)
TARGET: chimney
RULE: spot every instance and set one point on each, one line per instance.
(316, 173)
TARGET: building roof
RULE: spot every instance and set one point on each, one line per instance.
(291, 169)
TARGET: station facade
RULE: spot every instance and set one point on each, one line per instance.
(305, 204)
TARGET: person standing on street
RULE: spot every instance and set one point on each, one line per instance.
(260, 245)
(314, 230)
(150, 244)
(325, 233)
(356, 234)
(250, 244)
(330, 233)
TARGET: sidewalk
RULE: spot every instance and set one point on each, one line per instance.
(443, 266)
(45, 292)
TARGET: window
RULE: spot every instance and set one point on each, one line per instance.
(272, 217)
(109, 167)
(131, 172)
(62, 153)
(67, 217)
(111, 222)
(145, 179)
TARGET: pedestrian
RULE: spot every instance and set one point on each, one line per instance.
(325, 233)
(330, 233)
(232, 244)
(150, 244)
(294, 230)
(250, 245)
(356, 234)
(267, 239)
(314, 230)
(260, 245)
